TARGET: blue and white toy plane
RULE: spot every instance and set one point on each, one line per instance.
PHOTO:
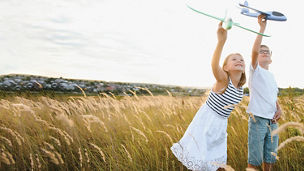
(227, 22)
(269, 15)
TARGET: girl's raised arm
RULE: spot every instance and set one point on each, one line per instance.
(220, 75)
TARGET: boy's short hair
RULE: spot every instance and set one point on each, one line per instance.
(264, 46)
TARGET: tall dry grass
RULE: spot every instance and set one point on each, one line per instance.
(129, 133)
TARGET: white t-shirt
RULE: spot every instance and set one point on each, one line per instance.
(263, 93)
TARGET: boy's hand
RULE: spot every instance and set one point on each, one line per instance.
(277, 116)
(262, 22)
(221, 33)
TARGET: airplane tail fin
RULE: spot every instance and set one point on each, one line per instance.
(246, 3)
(227, 23)
(245, 10)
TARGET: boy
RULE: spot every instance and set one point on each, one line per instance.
(263, 105)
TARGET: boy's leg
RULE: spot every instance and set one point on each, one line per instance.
(267, 166)
(252, 166)
(257, 130)
(270, 147)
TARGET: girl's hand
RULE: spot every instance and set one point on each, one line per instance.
(221, 33)
(262, 21)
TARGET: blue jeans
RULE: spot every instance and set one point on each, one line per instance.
(260, 145)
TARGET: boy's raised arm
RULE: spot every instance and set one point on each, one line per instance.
(258, 41)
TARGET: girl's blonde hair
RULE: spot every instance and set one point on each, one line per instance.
(243, 77)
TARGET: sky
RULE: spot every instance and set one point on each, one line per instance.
(142, 41)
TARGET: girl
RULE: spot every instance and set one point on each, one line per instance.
(204, 144)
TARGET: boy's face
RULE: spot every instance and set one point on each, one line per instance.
(264, 55)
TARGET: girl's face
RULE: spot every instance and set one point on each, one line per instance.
(264, 55)
(235, 63)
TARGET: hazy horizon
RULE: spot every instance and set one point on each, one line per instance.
(123, 81)
(102, 80)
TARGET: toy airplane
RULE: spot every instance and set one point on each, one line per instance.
(269, 15)
(227, 22)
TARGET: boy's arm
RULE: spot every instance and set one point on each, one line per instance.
(258, 41)
(219, 74)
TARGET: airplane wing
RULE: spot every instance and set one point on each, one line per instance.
(245, 6)
(238, 25)
(217, 18)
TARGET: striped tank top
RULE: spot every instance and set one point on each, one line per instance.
(224, 103)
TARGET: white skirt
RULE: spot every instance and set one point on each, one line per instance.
(204, 144)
